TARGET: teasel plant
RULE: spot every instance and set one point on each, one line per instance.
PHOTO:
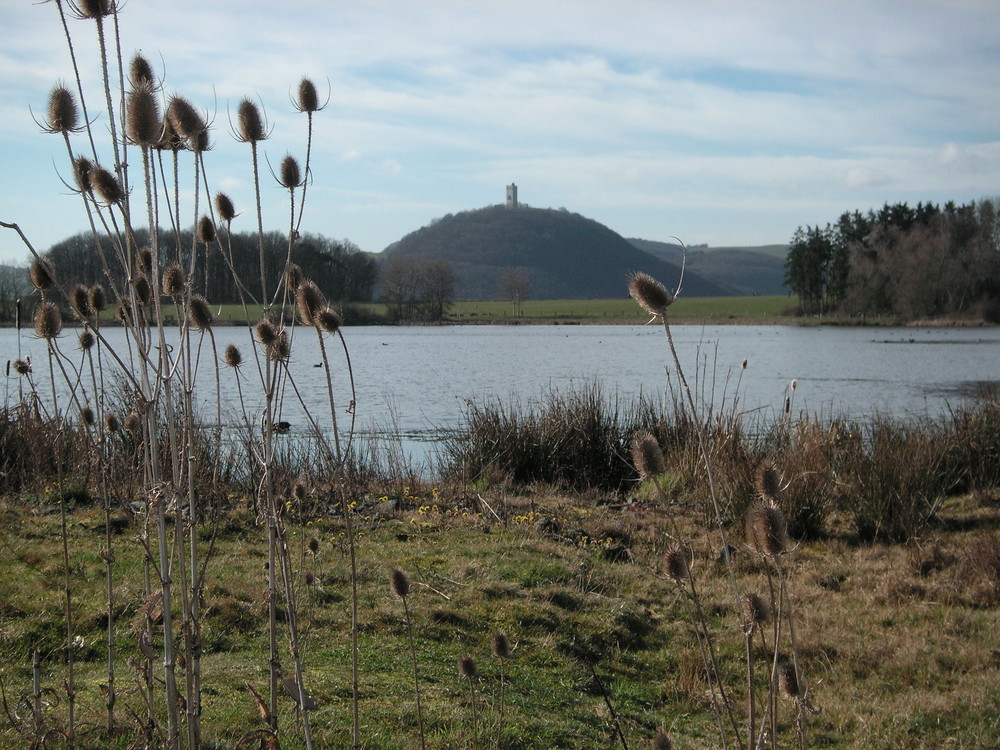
(401, 588)
(160, 374)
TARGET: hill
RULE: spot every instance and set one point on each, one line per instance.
(564, 255)
(739, 270)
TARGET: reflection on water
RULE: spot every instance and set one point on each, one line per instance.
(416, 381)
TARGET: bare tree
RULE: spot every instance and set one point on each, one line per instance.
(514, 287)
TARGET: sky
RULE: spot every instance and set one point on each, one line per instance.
(727, 123)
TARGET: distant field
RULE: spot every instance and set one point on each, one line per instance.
(686, 309)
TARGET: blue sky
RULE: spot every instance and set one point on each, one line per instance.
(730, 123)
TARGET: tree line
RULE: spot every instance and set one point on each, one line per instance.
(338, 267)
(903, 261)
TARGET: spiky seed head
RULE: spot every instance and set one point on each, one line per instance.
(87, 340)
(290, 175)
(174, 280)
(788, 680)
(41, 274)
(309, 578)
(145, 260)
(206, 230)
(22, 366)
(187, 122)
(143, 291)
(171, 140)
(744, 365)
(313, 545)
(675, 565)
(661, 741)
(200, 143)
(501, 646)
(646, 454)
(267, 334)
(250, 123)
(224, 207)
(651, 295)
(308, 98)
(768, 481)
(232, 356)
(94, 8)
(82, 167)
(766, 530)
(132, 422)
(794, 384)
(111, 423)
(78, 299)
(143, 123)
(310, 301)
(200, 313)
(281, 349)
(97, 299)
(329, 320)
(299, 491)
(400, 583)
(63, 116)
(87, 416)
(123, 312)
(140, 72)
(105, 185)
(755, 611)
(293, 276)
(48, 321)
(467, 667)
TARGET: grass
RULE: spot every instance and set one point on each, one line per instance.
(897, 638)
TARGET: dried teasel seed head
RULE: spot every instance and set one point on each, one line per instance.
(501, 646)
(768, 481)
(755, 611)
(293, 277)
(646, 455)
(651, 295)
(87, 340)
(281, 349)
(186, 121)
(48, 321)
(79, 300)
(171, 140)
(140, 72)
(788, 680)
(661, 741)
(206, 230)
(250, 124)
(675, 565)
(123, 312)
(224, 207)
(308, 98)
(87, 416)
(310, 301)
(200, 143)
(313, 545)
(63, 116)
(105, 185)
(400, 583)
(41, 274)
(111, 423)
(766, 530)
(82, 167)
(290, 176)
(329, 320)
(143, 123)
(97, 299)
(467, 667)
(174, 280)
(309, 578)
(94, 8)
(232, 356)
(199, 313)
(299, 491)
(22, 366)
(143, 291)
(146, 260)
(267, 334)
(132, 422)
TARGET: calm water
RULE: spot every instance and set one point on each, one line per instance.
(416, 381)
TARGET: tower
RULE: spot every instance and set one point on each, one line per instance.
(512, 195)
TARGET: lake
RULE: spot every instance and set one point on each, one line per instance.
(415, 381)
